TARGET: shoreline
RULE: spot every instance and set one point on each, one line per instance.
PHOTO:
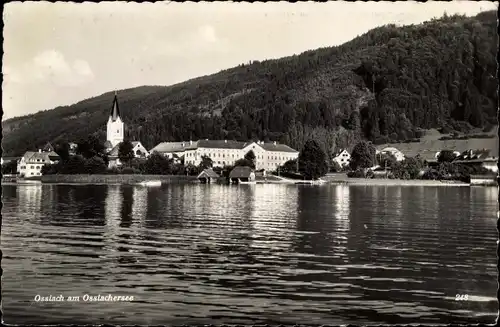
(399, 182)
(115, 179)
(182, 179)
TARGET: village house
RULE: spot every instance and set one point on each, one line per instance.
(342, 157)
(208, 176)
(114, 137)
(72, 148)
(243, 174)
(268, 155)
(392, 151)
(30, 165)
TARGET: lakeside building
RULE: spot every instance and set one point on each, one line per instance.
(472, 151)
(243, 174)
(268, 155)
(30, 165)
(207, 176)
(392, 151)
(114, 137)
(342, 157)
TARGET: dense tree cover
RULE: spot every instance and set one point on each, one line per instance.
(244, 163)
(409, 168)
(289, 167)
(446, 156)
(363, 155)
(77, 164)
(312, 161)
(383, 85)
(9, 167)
(386, 160)
(453, 171)
(206, 162)
(250, 156)
(335, 167)
(125, 151)
(91, 147)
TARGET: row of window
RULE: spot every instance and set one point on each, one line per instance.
(232, 163)
(32, 167)
(218, 155)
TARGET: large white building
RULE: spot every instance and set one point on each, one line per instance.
(30, 165)
(115, 136)
(268, 155)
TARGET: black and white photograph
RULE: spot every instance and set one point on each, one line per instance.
(237, 163)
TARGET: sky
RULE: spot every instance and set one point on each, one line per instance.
(61, 53)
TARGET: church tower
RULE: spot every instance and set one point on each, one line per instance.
(115, 124)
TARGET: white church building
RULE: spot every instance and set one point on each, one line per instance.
(115, 136)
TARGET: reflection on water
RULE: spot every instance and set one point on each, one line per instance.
(250, 254)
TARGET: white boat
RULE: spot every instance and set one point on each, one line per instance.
(150, 183)
(311, 182)
(252, 182)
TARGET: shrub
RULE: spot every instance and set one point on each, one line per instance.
(358, 173)
(130, 171)
(113, 171)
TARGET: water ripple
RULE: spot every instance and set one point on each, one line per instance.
(250, 255)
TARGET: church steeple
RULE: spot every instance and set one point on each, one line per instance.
(115, 109)
(115, 126)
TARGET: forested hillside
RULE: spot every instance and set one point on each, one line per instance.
(384, 86)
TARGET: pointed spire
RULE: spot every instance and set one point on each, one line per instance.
(115, 110)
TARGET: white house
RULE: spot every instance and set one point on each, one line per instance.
(114, 136)
(30, 165)
(268, 156)
(395, 152)
(171, 149)
(72, 148)
(342, 157)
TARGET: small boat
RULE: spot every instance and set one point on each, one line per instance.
(252, 182)
(312, 182)
(150, 183)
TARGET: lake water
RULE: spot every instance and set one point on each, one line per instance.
(250, 254)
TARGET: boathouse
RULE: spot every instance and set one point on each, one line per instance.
(241, 173)
(207, 176)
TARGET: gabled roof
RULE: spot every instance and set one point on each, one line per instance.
(217, 144)
(43, 157)
(115, 109)
(277, 147)
(221, 144)
(339, 152)
(170, 147)
(108, 144)
(240, 172)
(208, 173)
(114, 151)
(48, 147)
